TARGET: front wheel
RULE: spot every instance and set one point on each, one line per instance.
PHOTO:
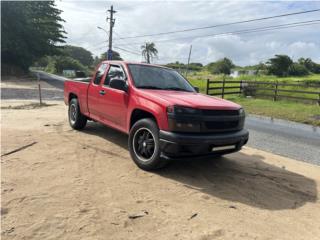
(76, 119)
(144, 145)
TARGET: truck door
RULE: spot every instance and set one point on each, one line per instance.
(114, 101)
(95, 91)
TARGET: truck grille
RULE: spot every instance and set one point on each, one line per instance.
(208, 121)
(221, 126)
(206, 112)
(223, 120)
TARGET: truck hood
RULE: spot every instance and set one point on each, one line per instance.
(189, 99)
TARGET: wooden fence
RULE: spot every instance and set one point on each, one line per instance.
(274, 90)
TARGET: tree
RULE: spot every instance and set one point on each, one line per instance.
(29, 30)
(82, 55)
(149, 51)
(56, 64)
(309, 64)
(115, 56)
(221, 66)
(296, 69)
(279, 65)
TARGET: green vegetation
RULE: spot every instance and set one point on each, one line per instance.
(222, 66)
(194, 67)
(298, 112)
(78, 53)
(104, 56)
(29, 31)
(149, 51)
(311, 83)
(56, 64)
(72, 58)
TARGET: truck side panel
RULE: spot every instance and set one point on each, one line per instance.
(80, 90)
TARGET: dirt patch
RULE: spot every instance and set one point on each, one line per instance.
(83, 185)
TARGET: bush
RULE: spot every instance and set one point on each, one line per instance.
(249, 90)
(222, 66)
(57, 64)
(279, 65)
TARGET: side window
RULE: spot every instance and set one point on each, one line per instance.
(115, 72)
(100, 72)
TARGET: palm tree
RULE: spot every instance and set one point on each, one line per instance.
(149, 51)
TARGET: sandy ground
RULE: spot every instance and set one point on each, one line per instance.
(83, 185)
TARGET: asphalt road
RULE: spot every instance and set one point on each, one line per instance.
(294, 140)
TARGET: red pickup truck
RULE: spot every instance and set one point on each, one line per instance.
(165, 116)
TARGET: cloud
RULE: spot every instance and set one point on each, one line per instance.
(146, 17)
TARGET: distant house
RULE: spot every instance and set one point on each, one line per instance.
(236, 73)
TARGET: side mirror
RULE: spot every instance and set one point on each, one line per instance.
(196, 88)
(119, 84)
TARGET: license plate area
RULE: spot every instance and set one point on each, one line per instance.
(223, 148)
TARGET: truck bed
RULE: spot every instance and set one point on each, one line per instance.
(84, 80)
(79, 87)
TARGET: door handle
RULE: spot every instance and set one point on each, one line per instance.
(102, 92)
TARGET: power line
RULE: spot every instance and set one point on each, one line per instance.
(125, 42)
(221, 25)
(244, 31)
(125, 50)
(98, 47)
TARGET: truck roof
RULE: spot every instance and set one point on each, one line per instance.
(131, 62)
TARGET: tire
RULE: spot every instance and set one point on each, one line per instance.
(144, 145)
(76, 119)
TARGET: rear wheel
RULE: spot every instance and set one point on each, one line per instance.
(144, 145)
(76, 119)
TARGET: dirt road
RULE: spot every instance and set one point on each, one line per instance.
(83, 185)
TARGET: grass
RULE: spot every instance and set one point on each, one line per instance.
(298, 112)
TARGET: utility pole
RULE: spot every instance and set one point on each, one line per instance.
(189, 60)
(112, 21)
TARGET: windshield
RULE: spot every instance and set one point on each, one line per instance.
(151, 77)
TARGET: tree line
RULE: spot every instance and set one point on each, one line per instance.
(279, 65)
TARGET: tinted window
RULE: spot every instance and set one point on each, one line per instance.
(152, 77)
(100, 72)
(115, 72)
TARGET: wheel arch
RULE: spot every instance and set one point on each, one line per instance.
(138, 114)
(71, 96)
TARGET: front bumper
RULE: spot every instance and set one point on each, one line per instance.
(181, 145)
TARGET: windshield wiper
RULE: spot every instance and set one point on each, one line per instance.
(177, 89)
(149, 87)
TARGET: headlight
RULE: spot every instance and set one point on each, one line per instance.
(183, 119)
(179, 110)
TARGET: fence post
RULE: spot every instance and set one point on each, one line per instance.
(207, 90)
(223, 84)
(39, 89)
(275, 92)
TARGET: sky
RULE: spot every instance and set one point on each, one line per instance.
(134, 18)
